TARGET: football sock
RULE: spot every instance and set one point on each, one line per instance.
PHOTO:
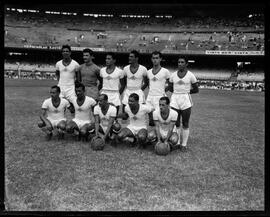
(185, 133)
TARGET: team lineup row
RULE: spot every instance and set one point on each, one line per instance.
(94, 95)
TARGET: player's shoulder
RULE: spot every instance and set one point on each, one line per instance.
(126, 68)
(89, 98)
(59, 62)
(156, 112)
(74, 62)
(96, 108)
(48, 100)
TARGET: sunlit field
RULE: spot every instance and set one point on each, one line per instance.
(223, 168)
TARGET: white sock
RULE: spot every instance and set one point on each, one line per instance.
(185, 133)
(178, 130)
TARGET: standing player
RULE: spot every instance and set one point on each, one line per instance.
(105, 117)
(135, 77)
(136, 130)
(158, 76)
(53, 114)
(183, 83)
(83, 108)
(88, 74)
(65, 74)
(113, 80)
(165, 119)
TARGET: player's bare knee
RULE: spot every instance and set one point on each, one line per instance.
(174, 139)
(185, 125)
(152, 136)
(41, 124)
(142, 135)
(61, 126)
(116, 127)
(69, 128)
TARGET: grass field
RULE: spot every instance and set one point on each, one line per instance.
(223, 169)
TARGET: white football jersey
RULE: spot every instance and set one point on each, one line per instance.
(83, 112)
(105, 118)
(111, 81)
(157, 82)
(67, 73)
(134, 81)
(165, 124)
(140, 118)
(53, 112)
(182, 85)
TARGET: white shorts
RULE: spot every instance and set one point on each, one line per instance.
(113, 97)
(55, 122)
(181, 101)
(81, 123)
(127, 93)
(153, 101)
(68, 92)
(135, 129)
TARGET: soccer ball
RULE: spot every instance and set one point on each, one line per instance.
(97, 144)
(162, 148)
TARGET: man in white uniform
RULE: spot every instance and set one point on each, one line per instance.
(158, 76)
(183, 83)
(65, 74)
(105, 119)
(113, 80)
(83, 106)
(136, 130)
(135, 77)
(165, 119)
(53, 114)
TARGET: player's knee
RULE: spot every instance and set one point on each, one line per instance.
(91, 128)
(83, 132)
(152, 136)
(142, 135)
(69, 128)
(49, 128)
(61, 126)
(116, 127)
(41, 124)
(185, 124)
(173, 139)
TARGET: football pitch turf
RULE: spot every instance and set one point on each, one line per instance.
(222, 170)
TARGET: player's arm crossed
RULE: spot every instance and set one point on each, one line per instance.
(100, 80)
(97, 121)
(111, 120)
(157, 130)
(44, 119)
(169, 134)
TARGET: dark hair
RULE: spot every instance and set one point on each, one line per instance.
(66, 46)
(79, 84)
(134, 96)
(105, 96)
(136, 53)
(112, 55)
(183, 57)
(166, 99)
(156, 53)
(87, 50)
(56, 87)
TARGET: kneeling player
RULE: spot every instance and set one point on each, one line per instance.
(53, 115)
(105, 117)
(137, 113)
(165, 119)
(83, 105)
